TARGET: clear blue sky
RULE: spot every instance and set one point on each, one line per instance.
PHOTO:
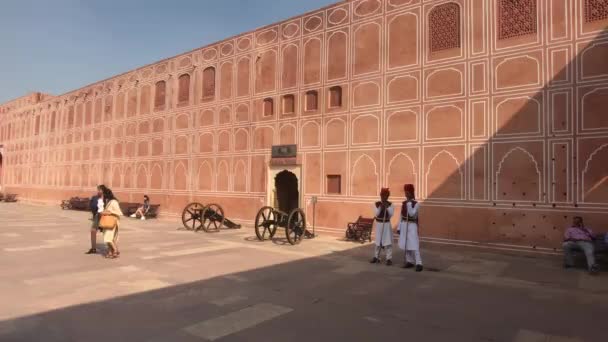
(60, 45)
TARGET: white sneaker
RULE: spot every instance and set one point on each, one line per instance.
(134, 215)
(143, 218)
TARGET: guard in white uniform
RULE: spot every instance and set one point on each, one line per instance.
(408, 229)
(383, 212)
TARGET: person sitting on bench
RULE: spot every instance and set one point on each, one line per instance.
(578, 237)
(143, 210)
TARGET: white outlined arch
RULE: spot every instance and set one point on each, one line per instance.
(362, 84)
(408, 158)
(205, 164)
(158, 167)
(586, 169)
(179, 165)
(222, 166)
(388, 125)
(388, 90)
(295, 132)
(388, 35)
(354, 48)
(426, 123)
(145, 174)
(237, 134)
(297, 64)
(181, 117)
(222, 135)
(305, 57)
(255, 134)
(435, 71)
(428, 171)
(582, 116)
(344, 125)
(179, 138)
(240, 165)
(200, 139)
(529, 99)
(509, 59)
(318, 130)
(363, 156)
(353, 129)
(531, 157)
(329, 51)
(582, 64)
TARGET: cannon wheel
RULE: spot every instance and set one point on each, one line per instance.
(213, 218)
(191, 216)
(296, 226)
(265, 221)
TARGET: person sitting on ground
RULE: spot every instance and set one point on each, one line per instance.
(143, 210)
(578, 237)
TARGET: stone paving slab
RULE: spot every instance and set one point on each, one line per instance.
(172, 284)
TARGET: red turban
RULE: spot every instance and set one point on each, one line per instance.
(385, 191)
(408, 188)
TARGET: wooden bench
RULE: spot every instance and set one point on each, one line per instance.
(10, 198)
(76, 203)
(360, 230)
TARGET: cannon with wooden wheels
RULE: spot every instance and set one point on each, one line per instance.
(268, 219)
(209, 218)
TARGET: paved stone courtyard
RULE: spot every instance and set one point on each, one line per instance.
(175, 285)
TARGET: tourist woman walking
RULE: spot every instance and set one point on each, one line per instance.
(110, 234)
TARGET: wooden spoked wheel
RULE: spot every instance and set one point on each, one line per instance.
(296, 226)
(192, 217)
(265, 223)
(213, 218)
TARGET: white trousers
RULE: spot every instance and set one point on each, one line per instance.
(413, 256)
(389, 252)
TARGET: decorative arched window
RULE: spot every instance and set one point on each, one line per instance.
(209, 83)
(444, 27)
(596, 10)
(160, 95)
(312, 100)
(289, 104)
(268, 107)
(516, 18)
(183, 92)
(335, 97)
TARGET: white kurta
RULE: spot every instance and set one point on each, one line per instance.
(384, 232)
(409, 230)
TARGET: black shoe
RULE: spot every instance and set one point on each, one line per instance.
(91, 251)
(418, 268)
(568, 266)
(408, 265)
(389, 262)
(374, 261)
(595, 269)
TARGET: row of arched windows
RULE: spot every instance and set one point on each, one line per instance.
(183, 89)
(311, 101)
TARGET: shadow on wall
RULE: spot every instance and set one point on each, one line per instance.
(545, 161)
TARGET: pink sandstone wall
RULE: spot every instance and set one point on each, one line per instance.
(494, 109)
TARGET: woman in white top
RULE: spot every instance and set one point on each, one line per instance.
(112, 207)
